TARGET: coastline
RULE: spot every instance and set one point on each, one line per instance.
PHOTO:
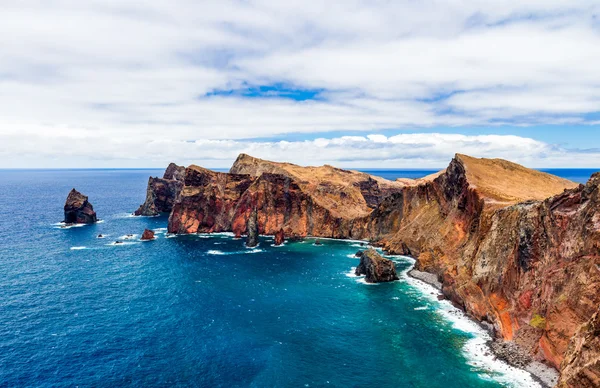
(504, 351)
(507, 351)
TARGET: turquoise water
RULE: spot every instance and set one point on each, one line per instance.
(203, 310)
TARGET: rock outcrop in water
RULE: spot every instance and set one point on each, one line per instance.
(78, 210)
(162, 192)
(376, 268)
(252, 230)
(517, 248)
(147, 235)
(279, 237)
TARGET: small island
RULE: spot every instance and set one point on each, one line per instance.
(78, 210)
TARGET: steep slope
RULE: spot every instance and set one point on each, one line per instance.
(529, 267)
(161, 192)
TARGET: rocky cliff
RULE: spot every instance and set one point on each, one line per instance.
(514, 247)
(78, 210)
(517, 248)
(161, 192)
(319, 201)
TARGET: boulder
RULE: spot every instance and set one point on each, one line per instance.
(148, 235)
(78, 210)
(376, 268)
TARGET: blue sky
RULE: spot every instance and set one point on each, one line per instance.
(363, 84)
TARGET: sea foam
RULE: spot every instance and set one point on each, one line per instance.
(475, 349)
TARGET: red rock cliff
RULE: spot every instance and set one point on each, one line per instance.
(506, 253)
(515, 247)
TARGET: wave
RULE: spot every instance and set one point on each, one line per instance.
(351, 273)
(218, 252)
(115, 244)
(128, 237)
(131, 215)
(209, 235)
(62, 225)
(475, 349)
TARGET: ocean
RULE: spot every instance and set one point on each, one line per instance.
(204, 311)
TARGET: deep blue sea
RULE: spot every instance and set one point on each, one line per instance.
(204, 311)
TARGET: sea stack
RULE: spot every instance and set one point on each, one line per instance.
(78, 210)
(279, 237)
(147, 235)
(252, 229)
(376, 268)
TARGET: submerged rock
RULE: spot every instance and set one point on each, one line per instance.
(279, 237)
(376, 268)
(78, 210)
(148, 235)
(252, 230)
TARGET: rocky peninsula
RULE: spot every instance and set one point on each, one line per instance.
(515, 248)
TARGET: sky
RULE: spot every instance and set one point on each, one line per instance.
(358, 84)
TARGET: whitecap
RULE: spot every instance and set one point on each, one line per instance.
(215, 252)
(351, 273)
(363, 281)
(121, 243)
(129, 237)
(77, 248)
(475, 349)
(63, 225)
(420, 308)
(352, 256)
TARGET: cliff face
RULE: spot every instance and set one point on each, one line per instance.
(319, 201)
(161, 192)
(528, 265)
(515, 247)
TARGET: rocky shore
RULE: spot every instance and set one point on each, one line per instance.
(507, 351)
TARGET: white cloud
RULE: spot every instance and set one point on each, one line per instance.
(138, 73)
(372, 151)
